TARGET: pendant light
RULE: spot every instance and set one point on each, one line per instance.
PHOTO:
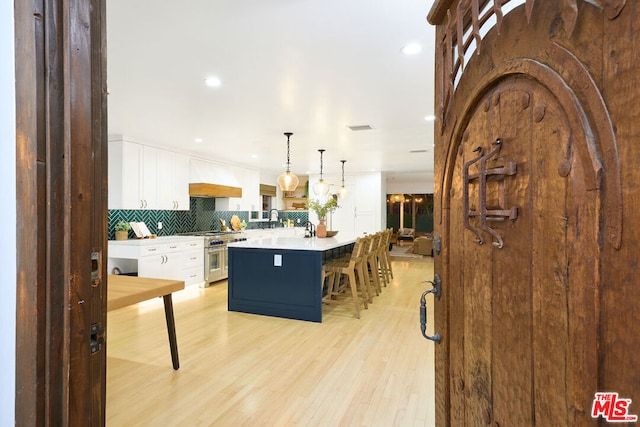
(342, 191)
(321, 188)
(288, 181)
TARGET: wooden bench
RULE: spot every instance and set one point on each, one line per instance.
(123, 291)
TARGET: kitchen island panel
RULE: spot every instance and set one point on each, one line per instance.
(292, 290)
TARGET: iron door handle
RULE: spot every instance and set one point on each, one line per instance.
(437, 291)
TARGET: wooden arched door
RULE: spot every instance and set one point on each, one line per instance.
(520, 296)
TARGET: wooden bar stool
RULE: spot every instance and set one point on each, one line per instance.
(383, 261)
(372, 262)
(387, 252)
(349, 266)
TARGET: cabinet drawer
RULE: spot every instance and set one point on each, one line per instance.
(193, 275)
(194, 258)
(164, 248)
(194, 244)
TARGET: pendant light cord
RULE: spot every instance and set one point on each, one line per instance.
(288, 134)
(321, 152)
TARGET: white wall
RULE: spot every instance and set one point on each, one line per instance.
(7, 216)
(422, 185)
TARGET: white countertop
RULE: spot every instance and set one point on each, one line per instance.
(157, 241)
(296, 243)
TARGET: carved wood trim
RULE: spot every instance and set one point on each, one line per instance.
(588, 112)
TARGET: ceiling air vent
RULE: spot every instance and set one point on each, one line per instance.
(360, 127)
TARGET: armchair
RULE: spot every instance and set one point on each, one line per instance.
(423, 245)
(405, 235)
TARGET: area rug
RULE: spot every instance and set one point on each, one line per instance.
(404, 252)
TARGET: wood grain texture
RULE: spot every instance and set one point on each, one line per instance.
(61, 181)
(243, 369)
(213, 190)
(123, 291)
(558, 84)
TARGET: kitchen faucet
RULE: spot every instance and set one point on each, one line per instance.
(273, 218)
(310, 229)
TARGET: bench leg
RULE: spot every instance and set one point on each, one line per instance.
(171, 329)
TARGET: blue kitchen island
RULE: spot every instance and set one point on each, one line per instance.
(281, 276)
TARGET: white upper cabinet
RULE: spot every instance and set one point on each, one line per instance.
(133, 169)
(173, 180)
(143, 177)
(215, 173)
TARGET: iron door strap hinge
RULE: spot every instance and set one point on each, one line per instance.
(97, 337)
(484, 176)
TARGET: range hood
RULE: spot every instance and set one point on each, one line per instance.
(202, 189)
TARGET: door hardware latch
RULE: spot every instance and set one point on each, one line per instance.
(96, 268)
(484, 176)
(437, 245)
(437, 291)
(97, 337)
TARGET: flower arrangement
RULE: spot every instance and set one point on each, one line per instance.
(322, 209)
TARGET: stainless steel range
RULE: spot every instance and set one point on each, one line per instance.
(215, 253)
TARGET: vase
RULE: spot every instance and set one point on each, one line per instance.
(321, 229)
(122, 235)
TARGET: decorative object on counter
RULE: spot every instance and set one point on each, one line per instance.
(331, 233)
(223, 225)
(321, 188)
(141, 230)
(322, 209)
(235, 223)
(321, 229)
(243, 224)
(342, 191)
(288, 181)
(122, 230)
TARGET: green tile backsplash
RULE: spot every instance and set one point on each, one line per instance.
(201, 216)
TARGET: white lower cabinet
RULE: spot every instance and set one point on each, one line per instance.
(178, 258)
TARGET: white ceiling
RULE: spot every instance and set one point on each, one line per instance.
(312, 67)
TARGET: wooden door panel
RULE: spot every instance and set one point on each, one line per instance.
(550, 149)
(455, 292)
(509, 335)
(511, 267)
(476, 282)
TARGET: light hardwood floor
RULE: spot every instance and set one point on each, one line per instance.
(247, 370)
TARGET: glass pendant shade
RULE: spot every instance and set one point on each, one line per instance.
(321, 188)
(343, 191)
(288, 181)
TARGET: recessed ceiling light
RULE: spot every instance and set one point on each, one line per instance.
(212, 81)
(411, 49)
(198, 140)
(254, 156)
(430, 118)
